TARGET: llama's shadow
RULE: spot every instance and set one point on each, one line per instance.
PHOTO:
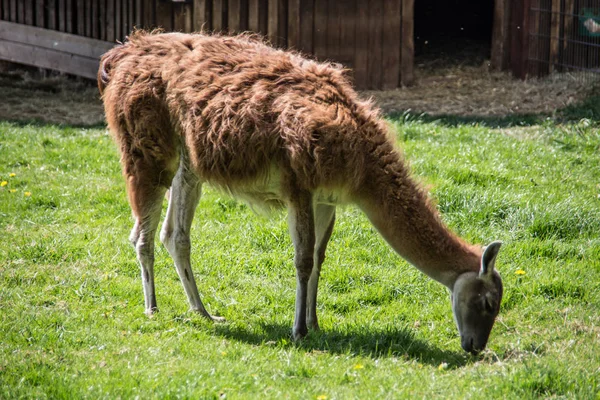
(366, 342)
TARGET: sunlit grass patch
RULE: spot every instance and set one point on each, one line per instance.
(71, 303)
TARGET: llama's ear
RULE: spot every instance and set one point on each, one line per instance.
(488, 258)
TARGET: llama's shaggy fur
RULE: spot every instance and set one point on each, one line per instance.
(243, 110)
(240, 107)
(274, 128)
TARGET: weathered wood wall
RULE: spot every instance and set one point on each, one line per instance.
(374, 38)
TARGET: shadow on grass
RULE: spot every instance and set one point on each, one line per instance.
(40, 123)
(367, 342)
(589, 109)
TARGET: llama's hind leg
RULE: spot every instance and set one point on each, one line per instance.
(146, 205)
(324, 221)
(302, 230)
(184, 196)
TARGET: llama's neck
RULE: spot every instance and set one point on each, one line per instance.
(402, 213)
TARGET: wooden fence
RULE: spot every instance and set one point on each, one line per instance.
(564, 35)
(374, 38)
(539, 37)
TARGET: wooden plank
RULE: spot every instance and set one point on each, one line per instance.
(61, 17)
(13, 10)
(520, 38)
(320, 30)
(217, 15)
(164, 16)
(138, 20)
(234, 13)
(178, 17)
(253, 15)
(263, 17)
(307, 16)
(53, 40)
(392, 19)
(29, 12)
(374, 65)
(407, 57)
(347, 33)
(282, 23)
(130, 15)
(188, 25)
(498, 35)
(110, 21)
(293, 31)
(507, 36)
(21, 11)
(568, 32)
(182, 19)
(95, 19)
(536, 40)
(69, 16)
(334, 10)
(244, 16)
(124, 19)
(4, 4)
(361, 52)
(51, 16)
(273, 22)
(201, 15)
(101, 20)
(80, 17)
(554, 34)
(39, 12)
(149, 15)
(45, 58)
(258, 16)
(89, 18)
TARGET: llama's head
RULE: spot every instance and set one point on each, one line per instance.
(476, 301)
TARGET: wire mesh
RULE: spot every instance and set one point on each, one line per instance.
(564, 37)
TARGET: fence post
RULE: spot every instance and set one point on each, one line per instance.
(520, 38)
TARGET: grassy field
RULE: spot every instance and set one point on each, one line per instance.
(71, 306)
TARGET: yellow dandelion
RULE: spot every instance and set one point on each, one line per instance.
(443, 366)
(12, 190)
(3, 183)
(358, 366)
(12, 174)
(520, 272)
(321, 397)
(27, 194)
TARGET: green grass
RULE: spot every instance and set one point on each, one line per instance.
(71, 304)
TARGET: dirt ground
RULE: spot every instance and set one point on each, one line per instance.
(28, 95)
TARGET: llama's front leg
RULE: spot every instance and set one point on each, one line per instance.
(324, 221)
(183, 198)
(302, 230)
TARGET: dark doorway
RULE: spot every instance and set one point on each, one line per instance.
(453, 32)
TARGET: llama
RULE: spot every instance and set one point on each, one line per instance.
(279, 131)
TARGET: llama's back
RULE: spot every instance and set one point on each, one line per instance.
(243, 110)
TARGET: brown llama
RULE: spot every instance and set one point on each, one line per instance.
(277, 130)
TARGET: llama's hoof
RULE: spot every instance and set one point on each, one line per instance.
(299, 334)
(217, 319)
(207, 315)
(151, 311)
